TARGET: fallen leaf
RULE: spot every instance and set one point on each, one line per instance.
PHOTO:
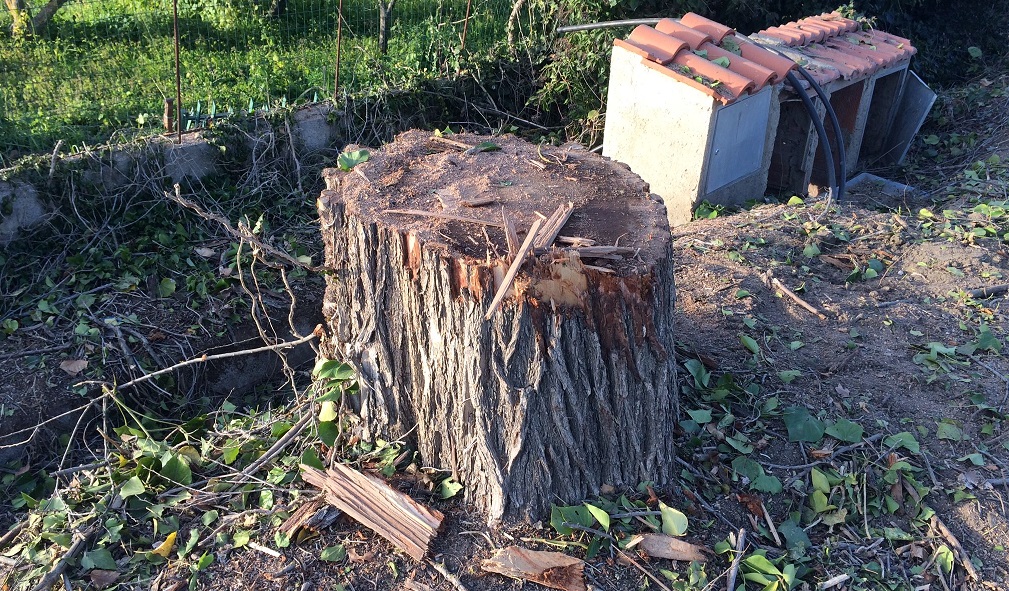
(663, 546)
(73, 366)
(166, 547)
(104, 578)
(752, 503)
(359, 558)
(550, 569)
(205, 252)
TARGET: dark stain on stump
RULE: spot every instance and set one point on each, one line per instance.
(571, 385)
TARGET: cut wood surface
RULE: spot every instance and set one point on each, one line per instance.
(391, 514)
(569, 383)
(550, 569)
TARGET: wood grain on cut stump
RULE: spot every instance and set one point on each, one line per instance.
(570, 384)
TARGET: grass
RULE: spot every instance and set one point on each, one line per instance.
(108, 67)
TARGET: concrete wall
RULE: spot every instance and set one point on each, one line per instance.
(666, 132)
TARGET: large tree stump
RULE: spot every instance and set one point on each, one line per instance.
(571, 384)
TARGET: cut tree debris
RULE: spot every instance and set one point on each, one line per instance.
(663, 546)
(391, 514)
(550, 569)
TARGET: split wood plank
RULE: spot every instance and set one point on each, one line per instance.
(550, 569)
(312, 515)
(509, 277)
(407, 524)
(443, 216)
(478, 201)
(552, 228)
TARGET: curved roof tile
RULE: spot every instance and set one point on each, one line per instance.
(687, 49)
(830, 46)
(836, 47)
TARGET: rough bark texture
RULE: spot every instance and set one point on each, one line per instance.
(570, 386)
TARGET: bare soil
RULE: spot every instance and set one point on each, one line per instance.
(865, 360)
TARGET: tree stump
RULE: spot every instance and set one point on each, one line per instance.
(568, 386)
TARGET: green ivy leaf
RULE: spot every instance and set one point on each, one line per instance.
(845, 430)
(132, 487)
(819, 480)
(811, 251)
(166, 288)
(449, 488)
(903, 439)
(721, 61)
(327, 412)
(600, 515)
(674, 522)
(333, 370)
(767, 483)
(750, 344)
(949, 431)
(328, 432)
(802, 426)
(348, 160)
(100, 558)
(176, 470)
(335, 553)
(789, 375)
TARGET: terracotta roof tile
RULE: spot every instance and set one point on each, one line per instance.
(832, 47)
(717, 31)
(686, 50)
(829, 46)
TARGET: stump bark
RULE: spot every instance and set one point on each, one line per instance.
(571, 384)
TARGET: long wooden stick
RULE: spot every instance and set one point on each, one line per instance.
(513, 270)
(797, 299)
(964, 558)
(549, 232)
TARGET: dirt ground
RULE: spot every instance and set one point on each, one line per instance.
(887, 335)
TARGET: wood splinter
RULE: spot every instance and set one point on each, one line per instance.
(509, 277)
(443, 216)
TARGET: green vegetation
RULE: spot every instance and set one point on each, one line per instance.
(103, 67)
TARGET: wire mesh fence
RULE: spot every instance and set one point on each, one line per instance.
(101, 68)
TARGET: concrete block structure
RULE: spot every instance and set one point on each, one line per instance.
(702, 113)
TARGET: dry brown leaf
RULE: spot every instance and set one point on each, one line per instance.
(104, 578)
(550, 569)
(753, 503)
(73, 366)
(663, 546)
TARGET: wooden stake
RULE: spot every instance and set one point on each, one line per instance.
(513, 270)
(511, 236)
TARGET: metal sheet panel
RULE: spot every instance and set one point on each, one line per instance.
(737, 146)
(914, 106)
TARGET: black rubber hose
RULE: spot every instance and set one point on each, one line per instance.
(607, 24)
(838, 138)
(820, 131)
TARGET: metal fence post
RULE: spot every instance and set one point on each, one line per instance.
(178, 74)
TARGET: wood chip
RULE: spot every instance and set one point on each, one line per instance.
(407, 524)
(538, 164)
(550, 569)
(509, 277)
(663, 546)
